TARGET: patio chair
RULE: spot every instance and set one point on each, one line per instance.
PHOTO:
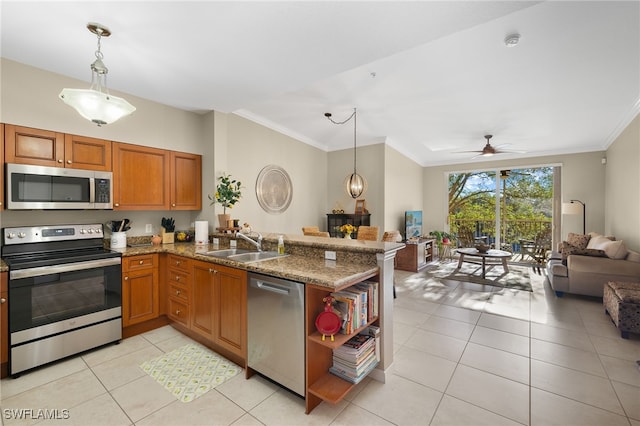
(466, 237)
(537, 248)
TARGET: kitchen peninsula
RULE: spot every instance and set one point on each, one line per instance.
(178, 265)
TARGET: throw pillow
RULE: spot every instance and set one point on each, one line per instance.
(598, 242)
(615, 250)
(568, 249)
(578, 240)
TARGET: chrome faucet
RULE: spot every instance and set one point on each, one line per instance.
(257, 243)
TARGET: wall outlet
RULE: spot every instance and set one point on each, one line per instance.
(148, 228)
(330, 255)
(233, 244)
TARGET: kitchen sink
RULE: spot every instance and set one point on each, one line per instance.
(224, 253)
(255, 256)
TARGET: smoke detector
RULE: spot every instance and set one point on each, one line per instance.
(512, 40)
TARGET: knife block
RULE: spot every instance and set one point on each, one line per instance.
(167, 237)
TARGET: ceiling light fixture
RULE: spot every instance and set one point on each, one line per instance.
(512, 40)
(355, 184)
(96, 104)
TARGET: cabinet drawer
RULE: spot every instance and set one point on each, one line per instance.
(179, 292)
(179, 262)
(138, 262)
(177, 276)
(179, 311)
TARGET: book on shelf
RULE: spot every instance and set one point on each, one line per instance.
(367, 286)
(353, 379)
(343, 305)
(362, 304)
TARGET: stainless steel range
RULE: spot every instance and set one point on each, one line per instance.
(65, 292)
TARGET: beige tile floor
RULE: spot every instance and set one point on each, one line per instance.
(464, 355)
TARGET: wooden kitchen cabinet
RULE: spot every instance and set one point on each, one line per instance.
(24, 145)
(179, 288)
(140, 289)
(140, 177)
(4, 324)
(186, 181)
(219, 306)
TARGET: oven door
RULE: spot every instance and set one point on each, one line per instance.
(49, 295)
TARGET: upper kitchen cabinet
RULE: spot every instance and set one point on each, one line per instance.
(24, 145)
(186, 181)
(141, 177)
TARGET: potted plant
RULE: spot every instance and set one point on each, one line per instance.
(227, 194)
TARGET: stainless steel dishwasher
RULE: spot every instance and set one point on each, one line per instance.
(276, 343)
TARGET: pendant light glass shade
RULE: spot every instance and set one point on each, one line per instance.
(356, 185)
(95, 103)
(96, 106)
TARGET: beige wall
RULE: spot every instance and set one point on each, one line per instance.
(583, 177)
(244, 148)
(403, 188)
(622, 206)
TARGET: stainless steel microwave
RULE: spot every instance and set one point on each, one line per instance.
(50, 188)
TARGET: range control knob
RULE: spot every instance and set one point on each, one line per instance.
(21, 235)
(90, 231)
(82, 231)
(97, 230)
(11, 235)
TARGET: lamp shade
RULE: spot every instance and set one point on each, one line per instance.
(97, 107)
(571, 208)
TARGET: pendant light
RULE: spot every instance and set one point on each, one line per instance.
(96, 104)
(355, 184)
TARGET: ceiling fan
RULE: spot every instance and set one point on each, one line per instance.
(490, 150)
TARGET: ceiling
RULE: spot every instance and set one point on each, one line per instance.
(429, 78)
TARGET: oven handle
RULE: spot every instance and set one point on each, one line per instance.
(67, 267)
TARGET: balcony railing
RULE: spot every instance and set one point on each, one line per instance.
(513, 233)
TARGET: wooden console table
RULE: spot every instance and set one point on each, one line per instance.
(416, 255)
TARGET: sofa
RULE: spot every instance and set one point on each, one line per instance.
(585, 263)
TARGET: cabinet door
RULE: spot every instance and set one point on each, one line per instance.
(140, 298)
(186, 181)
(81, 152)
(4, 323)
(202, 308)
(231, 303)
(141, 178)
(24, 145)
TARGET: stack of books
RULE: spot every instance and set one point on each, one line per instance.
(358, 356)
(356, 305)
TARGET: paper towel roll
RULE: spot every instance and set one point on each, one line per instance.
(202, 232)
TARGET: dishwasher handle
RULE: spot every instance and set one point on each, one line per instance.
(273, 287)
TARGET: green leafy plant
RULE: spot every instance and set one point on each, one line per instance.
(227, 192)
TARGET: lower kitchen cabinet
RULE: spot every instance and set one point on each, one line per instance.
(4, 325)
(140, 289)
(179, 289)
(219, 307)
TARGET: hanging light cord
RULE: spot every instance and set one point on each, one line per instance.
(355, 125)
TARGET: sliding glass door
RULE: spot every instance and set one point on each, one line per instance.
(510, 209)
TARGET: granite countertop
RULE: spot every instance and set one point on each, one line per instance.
(325, 273)
(298, 266)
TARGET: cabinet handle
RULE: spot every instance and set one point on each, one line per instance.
(177, 278)
(178, 312)
(126, 278)
(173, 205)
(141, 262)
(68, 161)
(3, 300)
(59, 161)
(117, 204)
(213, 270)
(177, 292)
(178, 263)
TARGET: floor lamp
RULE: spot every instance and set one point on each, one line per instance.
(573, 208)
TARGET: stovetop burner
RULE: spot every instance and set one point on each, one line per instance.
(37, 246)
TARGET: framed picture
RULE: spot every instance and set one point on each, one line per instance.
(360, 207)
